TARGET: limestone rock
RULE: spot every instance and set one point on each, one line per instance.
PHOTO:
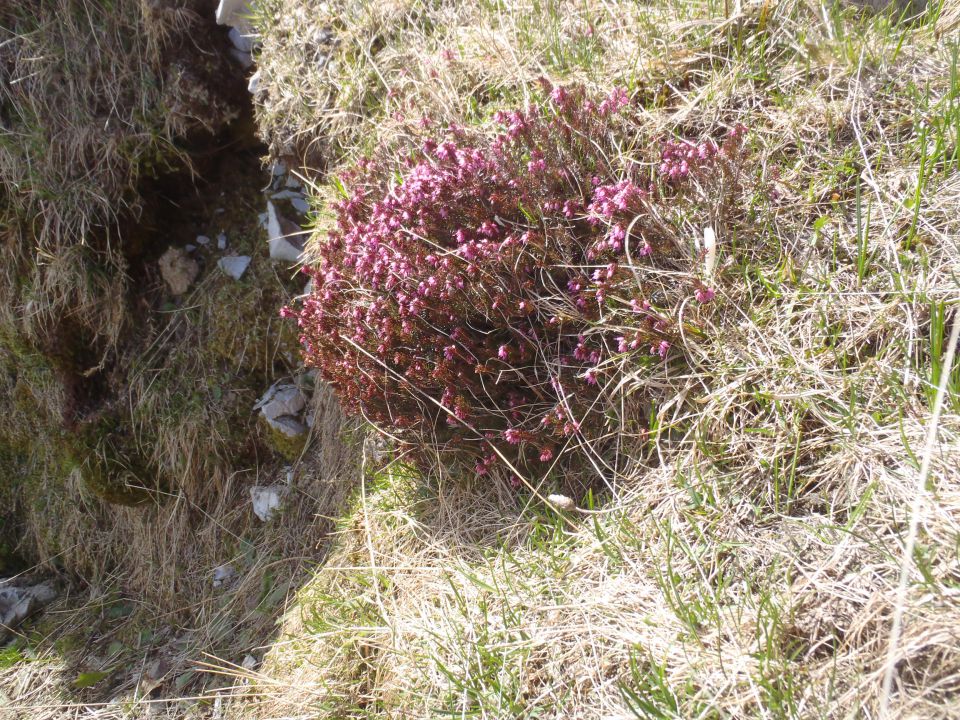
(288, 425)
(178, 270)
(234, 265)
(282, 245)
(281, 399)
(266, 500)
(17, 603)
(235, 13)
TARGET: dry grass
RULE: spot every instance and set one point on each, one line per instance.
(747, 564)
(745, 559)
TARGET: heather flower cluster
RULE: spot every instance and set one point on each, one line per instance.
(477, 295)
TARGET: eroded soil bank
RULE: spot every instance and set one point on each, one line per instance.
(132, 357)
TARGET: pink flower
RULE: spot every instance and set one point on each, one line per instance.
(704, 295)
(546, 454)
(503, 353)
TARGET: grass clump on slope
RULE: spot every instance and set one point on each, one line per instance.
(747, 561)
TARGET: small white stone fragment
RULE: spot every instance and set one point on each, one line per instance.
(249, 663)
(189, 248)
(278, 169)
(285, 195)
(221, 241)
(203, 240)
(219, 211)
(266, 500)
(300, 204)
(234, 265)
(254, 83)
(561, 502)
(293, 182)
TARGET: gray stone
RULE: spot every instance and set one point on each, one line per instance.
(281, 400)
(243, 59)
(234, 265)
(203, 240)
(243, 43)
(288, 425)
(223, 575)
(300, 204)
(18, 602)
(266, 500)
(222, 241)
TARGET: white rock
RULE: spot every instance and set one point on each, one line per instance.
(284, 249)
(300, 204)
(221, 241)
(278, 169)
(223, 575)
(203, 240)
(281, 399)
(254, 83)
(264, 222)
(292, 182)
(561, 502)
(235, 13)
(234, 265)
(281, 246)
(189, 248)
(286, 195)
(249, 662)
(266, 500)
(218, 211)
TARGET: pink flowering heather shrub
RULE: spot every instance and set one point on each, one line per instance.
(477, 295)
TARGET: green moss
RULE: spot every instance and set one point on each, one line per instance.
(288, 447)
(110, 467)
